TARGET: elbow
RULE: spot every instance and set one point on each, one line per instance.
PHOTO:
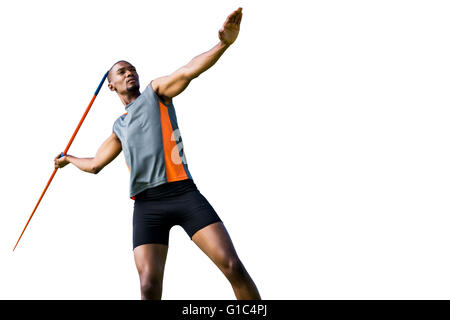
(192, 76)
(95, 169)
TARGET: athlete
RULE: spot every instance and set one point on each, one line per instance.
(160, 182)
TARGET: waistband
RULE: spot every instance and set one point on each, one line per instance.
(166, 190)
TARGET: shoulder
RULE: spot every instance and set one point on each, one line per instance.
(154, 86)
(121, 117)
(118, 121)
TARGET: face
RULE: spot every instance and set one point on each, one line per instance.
(123, 78)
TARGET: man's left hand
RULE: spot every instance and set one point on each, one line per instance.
(230, 29)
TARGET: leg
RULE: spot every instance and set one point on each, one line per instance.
(150, 261)
(216, 243)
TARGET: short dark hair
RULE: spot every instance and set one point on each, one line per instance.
(109, 71)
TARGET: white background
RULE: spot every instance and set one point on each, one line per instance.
(320, 137)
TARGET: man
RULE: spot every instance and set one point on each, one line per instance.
(160, 182)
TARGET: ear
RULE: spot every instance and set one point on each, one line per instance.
(111, 87)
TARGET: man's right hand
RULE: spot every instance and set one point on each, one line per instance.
(105, 154)
(61, 162)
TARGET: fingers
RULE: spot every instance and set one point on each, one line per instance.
(56, 161)
(59, 161)
(239, 18)
(235, 17)
(228, 19)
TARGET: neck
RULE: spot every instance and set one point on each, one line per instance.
(129, 97)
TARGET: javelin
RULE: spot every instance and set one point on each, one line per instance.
(63, 154)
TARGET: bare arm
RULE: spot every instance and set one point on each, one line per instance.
(175, 83)
(107, 152)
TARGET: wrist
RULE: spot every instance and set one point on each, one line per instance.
(223, 45)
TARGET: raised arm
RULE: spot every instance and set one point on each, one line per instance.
(173, 84)
(107, 152)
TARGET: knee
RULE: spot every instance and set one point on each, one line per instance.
(233, 268)
(151, 286)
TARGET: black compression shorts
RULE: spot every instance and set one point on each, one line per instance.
(157, 210)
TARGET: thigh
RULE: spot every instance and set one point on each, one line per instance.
(216, 243)
(193, 212)
(150, 259)
(151, 223)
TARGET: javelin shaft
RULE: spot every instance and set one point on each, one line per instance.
(37, 204)
(64, 153)
(85, 113)
(79, 125)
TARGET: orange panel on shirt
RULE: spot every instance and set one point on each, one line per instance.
(174, 171)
